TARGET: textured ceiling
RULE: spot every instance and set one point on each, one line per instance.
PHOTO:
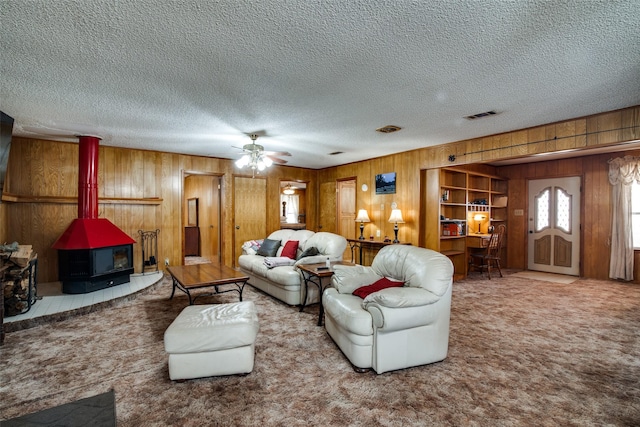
(310, 77)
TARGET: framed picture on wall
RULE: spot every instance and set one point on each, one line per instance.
(386, 183)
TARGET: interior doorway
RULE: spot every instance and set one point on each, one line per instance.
(293, 204)
(202, 217)
(554, 225)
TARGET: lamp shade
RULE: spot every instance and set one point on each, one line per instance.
(396, 216)
(363, 216)
(479, 217)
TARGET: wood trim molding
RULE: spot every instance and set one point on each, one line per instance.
(62, 200)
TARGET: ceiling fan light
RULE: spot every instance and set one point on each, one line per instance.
(261, 165)
(242, 161)
(267, 161)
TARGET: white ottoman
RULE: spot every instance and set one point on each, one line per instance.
(208, 340)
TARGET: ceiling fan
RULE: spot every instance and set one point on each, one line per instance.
(256, 158)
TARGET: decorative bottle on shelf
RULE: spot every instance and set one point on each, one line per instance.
(328, 263)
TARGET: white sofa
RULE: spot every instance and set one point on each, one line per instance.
(285, 282)
(393, 328)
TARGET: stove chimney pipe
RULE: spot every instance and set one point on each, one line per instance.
(88, 177)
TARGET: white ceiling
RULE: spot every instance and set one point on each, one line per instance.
(310, 77)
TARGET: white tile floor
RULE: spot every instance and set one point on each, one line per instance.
(48, 305)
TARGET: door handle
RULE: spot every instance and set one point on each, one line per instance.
(237, 227)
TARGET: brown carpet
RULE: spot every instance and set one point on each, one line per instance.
(522, 352)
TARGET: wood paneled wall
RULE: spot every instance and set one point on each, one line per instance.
(143, 189)
(138, 190)
(595, 215)
(3, 223)
(600, 130)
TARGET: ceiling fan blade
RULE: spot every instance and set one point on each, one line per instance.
(277, 160)
(277, 153)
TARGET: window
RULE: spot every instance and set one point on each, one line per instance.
(635, 214)
(291, 208)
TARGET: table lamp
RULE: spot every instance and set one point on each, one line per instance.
(479, 218)
(396, 217)
(363, 217)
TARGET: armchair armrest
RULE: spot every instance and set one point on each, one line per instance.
(395, 309)
(401, 297)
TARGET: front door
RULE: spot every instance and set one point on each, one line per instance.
(554, 225)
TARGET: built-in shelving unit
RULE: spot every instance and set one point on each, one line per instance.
(470, 204)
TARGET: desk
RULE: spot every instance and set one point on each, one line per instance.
(187, 277)
(314, 273)
(476, 243)
(478, 240)
(374, 245)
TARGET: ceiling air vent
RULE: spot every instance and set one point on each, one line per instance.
(388, 129)
(480, 115)
(335, 153)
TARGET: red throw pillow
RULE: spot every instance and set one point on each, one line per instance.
(290, 249)
(381, 284)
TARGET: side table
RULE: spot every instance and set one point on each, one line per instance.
(372, 245)
(314, 273)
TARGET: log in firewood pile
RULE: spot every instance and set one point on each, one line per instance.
(16, 296)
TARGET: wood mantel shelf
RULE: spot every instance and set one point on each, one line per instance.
(16, 198)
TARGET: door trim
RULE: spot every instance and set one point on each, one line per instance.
(580, 221)
(221, 210)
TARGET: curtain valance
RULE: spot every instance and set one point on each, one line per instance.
(624, 170)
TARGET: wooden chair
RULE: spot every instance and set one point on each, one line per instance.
(491, 256)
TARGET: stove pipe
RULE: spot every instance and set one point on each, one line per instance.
(88, 231)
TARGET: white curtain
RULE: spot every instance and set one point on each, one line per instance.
(622, 172)
(292, 208)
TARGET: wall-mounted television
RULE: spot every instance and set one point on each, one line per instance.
(386, 183)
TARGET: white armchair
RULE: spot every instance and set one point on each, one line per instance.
(397, 327)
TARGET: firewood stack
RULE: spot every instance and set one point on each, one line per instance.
(17, 280)
(16, 295)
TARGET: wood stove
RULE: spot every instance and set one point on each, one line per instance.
(93, 253)
(88, 270)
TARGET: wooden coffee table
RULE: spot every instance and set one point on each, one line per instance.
(189, 277)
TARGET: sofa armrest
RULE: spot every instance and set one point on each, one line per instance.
(315, 259)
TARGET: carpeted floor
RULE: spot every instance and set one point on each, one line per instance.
(522, 352)
(546, 277)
